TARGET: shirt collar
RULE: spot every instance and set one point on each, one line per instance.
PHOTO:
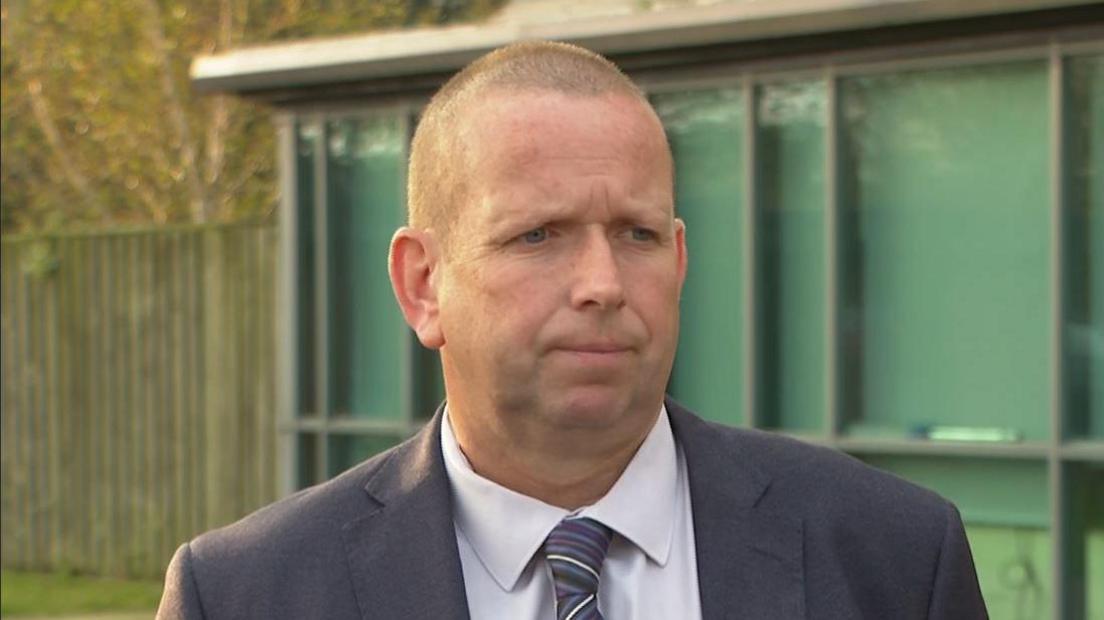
(641, 505)
(505, 528)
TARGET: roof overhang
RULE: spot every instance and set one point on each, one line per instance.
(392, 55)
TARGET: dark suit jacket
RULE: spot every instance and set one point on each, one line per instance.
(782, 530)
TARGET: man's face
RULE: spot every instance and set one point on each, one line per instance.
(558, 295)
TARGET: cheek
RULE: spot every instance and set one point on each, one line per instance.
(655, 296)
(521, 307)
(460, 304)
(660, 311)
(502, 305)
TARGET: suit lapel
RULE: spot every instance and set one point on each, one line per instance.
(749, 559)
(404, 561)
(403, 556)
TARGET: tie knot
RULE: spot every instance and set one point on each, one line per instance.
(575, 550)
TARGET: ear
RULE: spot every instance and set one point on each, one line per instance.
(680, 247)
(412, 263)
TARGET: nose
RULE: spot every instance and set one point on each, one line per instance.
(597, 275)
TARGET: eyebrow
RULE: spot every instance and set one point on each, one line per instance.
(514, 215)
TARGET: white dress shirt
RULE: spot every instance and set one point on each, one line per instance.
(649, 572)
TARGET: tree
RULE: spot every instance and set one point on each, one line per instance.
(99, 126)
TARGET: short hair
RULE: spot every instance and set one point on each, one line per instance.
(436, 181)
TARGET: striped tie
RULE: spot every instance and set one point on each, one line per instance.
(575, 550)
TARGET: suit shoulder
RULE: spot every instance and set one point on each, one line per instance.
(294, 558)
(854, 524)
(298, 523)
(827, 480)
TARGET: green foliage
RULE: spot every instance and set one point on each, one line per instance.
(99, 126)
(62, 593)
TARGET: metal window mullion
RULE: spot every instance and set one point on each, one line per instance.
(804, 74)
(368, 426)
(1083, 451)
(677, 84)
(750, 262)
(358, 108)
(322, 298)
(1060, 536)
(287, 307)
(831, 257)
(950, 60)
(1077, 48)
(916, 56)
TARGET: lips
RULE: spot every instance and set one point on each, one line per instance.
(594, 347)
(598, 348)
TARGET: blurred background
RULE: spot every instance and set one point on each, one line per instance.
(895, 215)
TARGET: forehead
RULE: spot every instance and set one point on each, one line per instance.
(507, 129)
(538, 155)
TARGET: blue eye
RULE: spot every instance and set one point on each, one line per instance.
(535, 236)
(643, 234)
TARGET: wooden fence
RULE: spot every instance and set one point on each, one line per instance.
(138, 393)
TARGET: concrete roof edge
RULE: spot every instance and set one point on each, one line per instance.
(444, 49)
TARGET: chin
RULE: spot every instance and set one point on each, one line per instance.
(591, 406)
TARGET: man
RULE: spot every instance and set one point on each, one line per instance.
(543, 260)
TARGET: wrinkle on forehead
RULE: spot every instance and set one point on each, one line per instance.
(507, 137)
(622, 114)
(599, 194)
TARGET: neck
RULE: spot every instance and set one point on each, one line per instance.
(569, 469)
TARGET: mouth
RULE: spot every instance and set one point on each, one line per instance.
(597, 361)
(595, 348)
(601, 358)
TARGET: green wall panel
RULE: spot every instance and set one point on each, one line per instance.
(1084, 529)
(705, 130)
(790, 188)
(1005, 503)
(946, 258)
(365, 163)
(1084, 324)
(1094, 575)
(986, 491)
(1013, 568)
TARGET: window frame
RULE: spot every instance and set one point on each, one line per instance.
(1060, 453)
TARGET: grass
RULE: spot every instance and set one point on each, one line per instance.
(52, 594)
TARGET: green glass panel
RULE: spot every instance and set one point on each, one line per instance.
(430, 379)
(1084, 275)
(307, 471)
(348, 450)
(1084, 528)
(1005, 504)
(1013, 569)
(365, 159)
(1095, 574)
(706, 136)
(986, 490)
(790, 189)
(945, 234)
(306, 327)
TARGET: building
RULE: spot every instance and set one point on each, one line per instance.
(895, 213)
